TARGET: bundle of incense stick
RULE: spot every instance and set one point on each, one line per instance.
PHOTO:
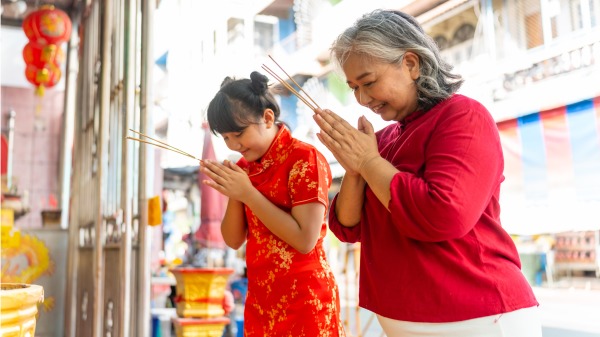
(290, 87)
(160, 144)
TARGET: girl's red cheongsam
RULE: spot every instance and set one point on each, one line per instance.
(289, 293)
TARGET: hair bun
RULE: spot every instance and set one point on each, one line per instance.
(226, 81)
(259, 83)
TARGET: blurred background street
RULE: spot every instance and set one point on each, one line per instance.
(99, 221)
(570, 309)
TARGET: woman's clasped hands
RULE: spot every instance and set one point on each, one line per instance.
(354, 148)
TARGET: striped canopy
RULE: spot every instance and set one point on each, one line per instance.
(552, 170)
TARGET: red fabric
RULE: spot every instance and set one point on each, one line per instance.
(558, 151)
(597, 108)
(440, 253)
(513, 166)
(289, 293)
(4, 154)
(212, 203)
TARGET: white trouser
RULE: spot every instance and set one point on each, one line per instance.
(518, 323)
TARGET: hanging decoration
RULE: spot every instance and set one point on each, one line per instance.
(40, 55)
(42, 65)
(47, 25)
(45, 77)
(46, 28)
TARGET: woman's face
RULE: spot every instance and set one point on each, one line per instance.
(254, 141)
(389, 90)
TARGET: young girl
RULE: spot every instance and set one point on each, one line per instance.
(278, 203)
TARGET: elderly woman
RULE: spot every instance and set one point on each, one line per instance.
(422, 194)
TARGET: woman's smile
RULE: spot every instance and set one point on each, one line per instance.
(377, 108)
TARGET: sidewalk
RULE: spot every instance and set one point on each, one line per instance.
(570, 308)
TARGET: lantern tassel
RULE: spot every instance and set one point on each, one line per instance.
(39, 95)
(40, 91)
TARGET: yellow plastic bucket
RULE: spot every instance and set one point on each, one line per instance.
(18, 303)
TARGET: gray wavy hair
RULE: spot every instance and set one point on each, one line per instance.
(385, 35)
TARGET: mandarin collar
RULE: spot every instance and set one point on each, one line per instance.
(413, 116)
(282, 140)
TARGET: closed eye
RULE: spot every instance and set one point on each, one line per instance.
(232, 134)
(368, 84)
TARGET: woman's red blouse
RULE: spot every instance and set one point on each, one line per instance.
(437, 252)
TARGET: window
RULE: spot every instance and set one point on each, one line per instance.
(235, 31)
(594, 6)
(264, 34)
(533, 24)
(464, 33)
(263, 37)
(577, 21)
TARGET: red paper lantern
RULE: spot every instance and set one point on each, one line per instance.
(39, 55)
(47, 28)
(47, 25)
(43, 77)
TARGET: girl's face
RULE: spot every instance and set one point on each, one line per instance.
(389, 90)
(254, 141)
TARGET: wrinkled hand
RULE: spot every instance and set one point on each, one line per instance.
(227, 178)
(352, 147)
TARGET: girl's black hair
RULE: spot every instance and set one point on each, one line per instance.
(240, 103)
